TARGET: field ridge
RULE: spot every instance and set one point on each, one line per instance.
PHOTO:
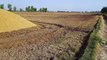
(94, 42)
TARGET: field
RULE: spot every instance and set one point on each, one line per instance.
(59, 36)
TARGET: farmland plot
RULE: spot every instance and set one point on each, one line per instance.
(60, 36)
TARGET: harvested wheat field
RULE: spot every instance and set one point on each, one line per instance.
(60, 36)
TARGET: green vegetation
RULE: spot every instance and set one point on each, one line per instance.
(43, 10)
(27, 9)
(2, 6)
(14, 9)
(30, 9)
(33, 9)
(104, 10)
(94, 41)
(21, 10)
(10, 7)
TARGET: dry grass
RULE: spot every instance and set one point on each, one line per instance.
(10, 21)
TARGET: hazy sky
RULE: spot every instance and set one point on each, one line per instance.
(63, 5)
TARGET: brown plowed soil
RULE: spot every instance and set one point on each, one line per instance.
(73, 20)
(58, 37)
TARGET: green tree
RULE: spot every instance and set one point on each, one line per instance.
(32, 9)
(104, 10)
(14, 9)
(35, 9)
(43, 10)
(40, 10)
(10, 7)
(21, 10)
(29, 8)
(2, 6)
(26, 9)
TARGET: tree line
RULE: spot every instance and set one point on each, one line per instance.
(33, 9)
(27, 9)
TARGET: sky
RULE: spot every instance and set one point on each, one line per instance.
(59, 5)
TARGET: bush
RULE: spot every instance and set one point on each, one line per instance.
(104, 10)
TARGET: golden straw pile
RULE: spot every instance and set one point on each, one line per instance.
(10, 22)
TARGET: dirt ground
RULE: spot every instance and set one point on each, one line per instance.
(59, 36)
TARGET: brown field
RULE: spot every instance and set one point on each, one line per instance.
(59, 36)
